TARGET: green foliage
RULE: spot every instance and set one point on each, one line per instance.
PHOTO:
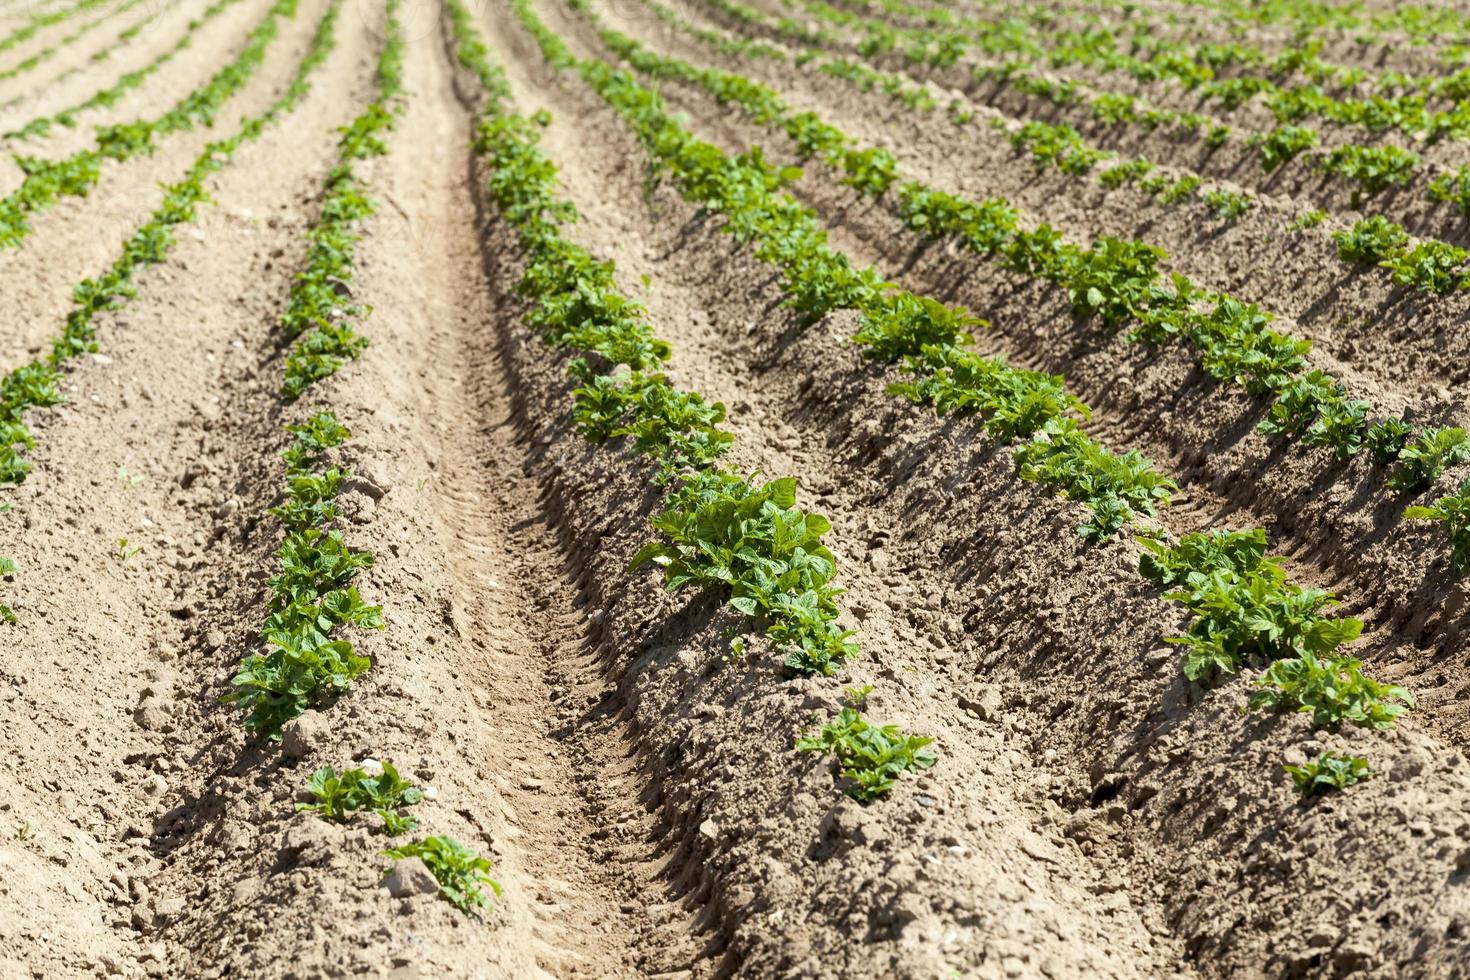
(870, 758)
(1060, 455)
(1327, 773)
(1430, 267)
(1129, 172)
(1243, 605)
(1308, 219)
(1315, 407)
(302, 663)
(312, 595)
(1371, 241)
(1283, 144)
(321, 311)
(1238, 345)
(985, 227)
(1386, 439)
(901, 323)
(1333, 690)
(1204, 553)
(1372, 168)
(1112, 280)
(1181, 189)
(1227, 205)
(1055, 145)
(1453, 510)
(7, 569)
(677, 428)
(1453, 188)
(1424, 458)
(1015, 404)
(818, 279)
(749, 543)
(340, 797)
(463, 875)
(754, 545)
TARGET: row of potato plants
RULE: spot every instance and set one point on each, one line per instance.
(50, 51)
(1121, 284)
(1427, 265)
(38, 22)
(38, 384)
(1430, 266)
(305, 661)
(35, 385)
(106, 97)
(47, 181)
(1230, 73)
(1303, 21)
(1371, 168)
(1368, 170)
(1310, 404)
(1245, 610)
(747, 542)
(1422, 25)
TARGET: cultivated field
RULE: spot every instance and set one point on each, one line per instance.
(701, 488)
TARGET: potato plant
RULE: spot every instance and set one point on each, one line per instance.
(377, 789)
(870, 758)
(463, 875)
(1329, 772)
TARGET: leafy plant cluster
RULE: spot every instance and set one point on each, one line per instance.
(463, 875)
(37, 385)
(1227, 205)
(7, 569)
(1453, 511)
(1453, 188)
(1431, 267)
(1246, 612)
(1329, 772)
(47, 181)
(341, 796)
(916, 97)
(1055, 145)
(752, 542)
(869, 757)
(1284, 144)
(1373, 168)
(1332, 691)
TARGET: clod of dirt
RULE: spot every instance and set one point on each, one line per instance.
(410, 877)
(302, 736)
